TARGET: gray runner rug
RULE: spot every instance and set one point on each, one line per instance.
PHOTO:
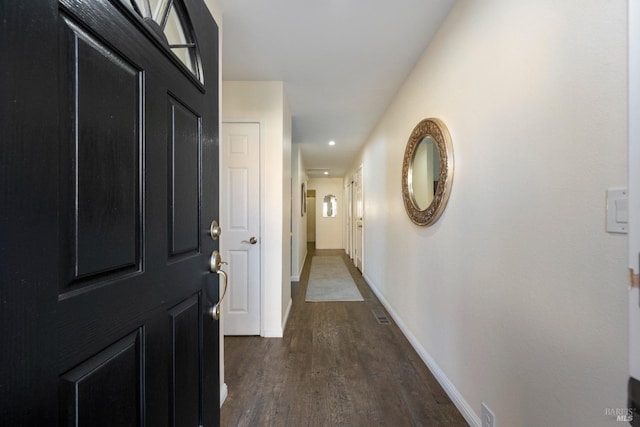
(329, 280)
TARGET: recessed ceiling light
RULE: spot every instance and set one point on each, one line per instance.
(326, 172)
(332, 143)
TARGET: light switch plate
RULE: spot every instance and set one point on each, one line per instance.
(488, 419)
(617, 210)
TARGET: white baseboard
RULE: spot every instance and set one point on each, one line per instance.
(272, 333)
(296, 278)
(278, 332)
(463, 406)
(286, 315)
(224, 392)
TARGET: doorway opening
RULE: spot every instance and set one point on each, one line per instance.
(311, 216)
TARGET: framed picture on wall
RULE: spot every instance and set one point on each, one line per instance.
(303, 200)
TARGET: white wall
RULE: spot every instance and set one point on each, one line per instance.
(517, 296)
(287, 225)
(265, 102)
(299, 220)
(328, 230)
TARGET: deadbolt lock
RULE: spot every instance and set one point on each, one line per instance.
(215, 231)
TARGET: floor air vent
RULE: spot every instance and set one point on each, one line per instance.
(380, 317)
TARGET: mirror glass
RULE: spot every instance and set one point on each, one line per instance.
(329, 206)
(424, 172)
(427, 171)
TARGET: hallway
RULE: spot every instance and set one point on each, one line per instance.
(336, 365)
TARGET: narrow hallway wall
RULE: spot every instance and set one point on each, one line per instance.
(328, 230)
(517, 296)
(299, 215)
(266, 103)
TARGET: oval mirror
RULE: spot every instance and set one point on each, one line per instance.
(427, 171)
(424, 172)
(329, 206)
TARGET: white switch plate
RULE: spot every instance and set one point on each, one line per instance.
(488, 419)
(617, 210)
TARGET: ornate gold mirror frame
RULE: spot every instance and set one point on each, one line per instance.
(438, 132)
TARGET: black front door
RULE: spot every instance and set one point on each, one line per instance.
(108, 169)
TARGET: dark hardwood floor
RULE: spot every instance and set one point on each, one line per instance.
(335, 366)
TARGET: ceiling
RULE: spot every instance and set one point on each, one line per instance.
(341, 61)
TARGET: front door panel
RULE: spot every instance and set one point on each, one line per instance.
(101, 183)
(107, 389)
(185, 358)
(184, 173)
(132, 136)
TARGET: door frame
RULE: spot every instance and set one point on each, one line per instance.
(224, 389)
(347, 216)
(359, 173)
(634, 187)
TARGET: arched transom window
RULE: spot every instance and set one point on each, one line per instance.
(168, 20)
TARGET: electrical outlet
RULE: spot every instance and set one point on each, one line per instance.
(488, 419)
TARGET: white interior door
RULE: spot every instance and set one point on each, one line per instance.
(359, 217)
(351, 221)
(347, 218)
(240, 222)
(354, 219)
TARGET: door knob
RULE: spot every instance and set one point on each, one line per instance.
(215, 231)
(215, 265)
(251, 241)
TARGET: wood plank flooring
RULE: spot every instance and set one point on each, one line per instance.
(335, 366)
